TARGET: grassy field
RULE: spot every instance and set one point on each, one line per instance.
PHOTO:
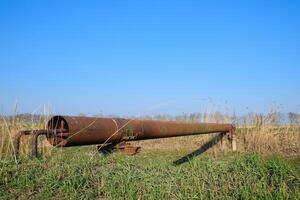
(74, 174)
(266, 166)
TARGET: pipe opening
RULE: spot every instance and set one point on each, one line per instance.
(58, 131)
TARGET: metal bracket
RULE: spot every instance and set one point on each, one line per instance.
(123, 147)
(35, 134)
(128, 134)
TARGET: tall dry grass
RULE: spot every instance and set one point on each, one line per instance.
(10, 126)
(72, 173)
(264, 134)
(271, 133)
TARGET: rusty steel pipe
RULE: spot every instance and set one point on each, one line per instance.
(93, 130)
(64, 131)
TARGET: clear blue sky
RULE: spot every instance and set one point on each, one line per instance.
(145, 57)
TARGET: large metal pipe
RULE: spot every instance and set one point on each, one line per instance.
(72, 131)
(63, 131)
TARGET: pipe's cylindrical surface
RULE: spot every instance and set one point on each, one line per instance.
(72, 131)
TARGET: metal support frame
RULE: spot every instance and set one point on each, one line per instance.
(123, 147)
(35, 137)
(35, 134)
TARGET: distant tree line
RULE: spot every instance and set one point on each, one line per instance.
(272, 118)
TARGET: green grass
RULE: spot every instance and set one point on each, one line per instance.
(76, 174)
